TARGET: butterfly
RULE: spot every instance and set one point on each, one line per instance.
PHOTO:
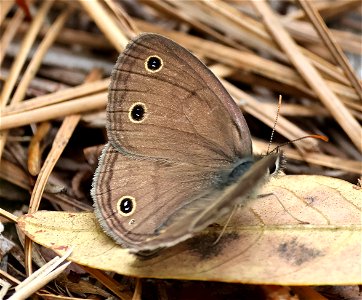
(179, 155)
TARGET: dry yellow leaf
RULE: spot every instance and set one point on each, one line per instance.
(303, 230)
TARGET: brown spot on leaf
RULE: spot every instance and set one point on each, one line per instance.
(61, 248)
(30, 216)
(204, 246)
(310, 199)
(297, 253)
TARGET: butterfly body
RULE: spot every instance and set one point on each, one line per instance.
(179, 153)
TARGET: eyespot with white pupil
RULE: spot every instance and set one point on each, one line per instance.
(126, 205)
(153, 63)
(137, 112)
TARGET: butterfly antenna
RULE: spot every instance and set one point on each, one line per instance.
(226, 224)
(275, 122)
(313, 136)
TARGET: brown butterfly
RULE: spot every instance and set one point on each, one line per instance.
(179, 155)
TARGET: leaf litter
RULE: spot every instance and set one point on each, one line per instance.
(305, 233)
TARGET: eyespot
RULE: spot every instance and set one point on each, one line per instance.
(153, 63)
(137, 112)
(126, 205)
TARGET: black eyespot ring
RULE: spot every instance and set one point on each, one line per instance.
(153, 63)
(137, 112)
(126, 205)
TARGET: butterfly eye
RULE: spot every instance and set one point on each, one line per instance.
(272, 169)
(275, 167)
(137, 112)
(153, 63)
(126, 205)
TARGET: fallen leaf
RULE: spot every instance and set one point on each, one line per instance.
(301, 230)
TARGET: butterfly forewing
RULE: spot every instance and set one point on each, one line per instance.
(185, 114)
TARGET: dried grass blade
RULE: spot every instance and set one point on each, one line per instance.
(9, 32)
(9, 277)
(63, 135)
(329, 42)
(76, 106)
(24, 49)
(255, 31)
(8, 215)
(285, 127)
(5, 6)
(327, 9)
(44, 270)
(167, 8)
(17, 176)
(34, 151)
(311, 76)
(307, 292)
(123, 18)
(38, 282)
(109, 282)
(106, 23)
(238, 59)
(138, 290)
(57, 97)
(318, 159)
(39, 55)
(61, 140)
(20, 60)
(4, 288)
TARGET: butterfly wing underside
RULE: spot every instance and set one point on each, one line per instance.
(170, 206)
(158, 189)
(173, 131)
(188, 114)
